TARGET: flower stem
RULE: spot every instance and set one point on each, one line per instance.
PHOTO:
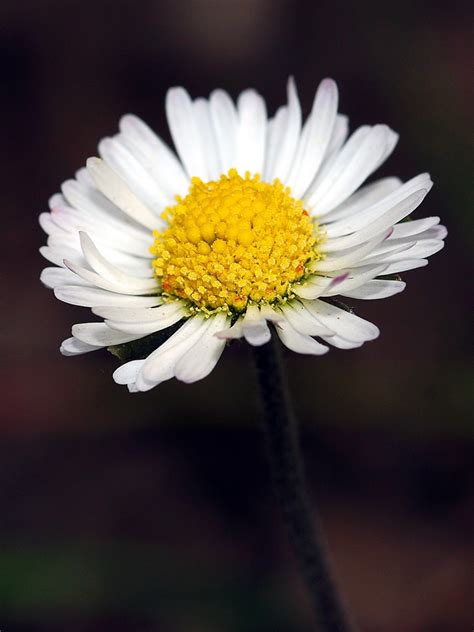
(286, 463)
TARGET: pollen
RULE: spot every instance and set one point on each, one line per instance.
(233, 241)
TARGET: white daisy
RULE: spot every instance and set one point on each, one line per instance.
(260, 220)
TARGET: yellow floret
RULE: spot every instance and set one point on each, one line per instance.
(234, 240)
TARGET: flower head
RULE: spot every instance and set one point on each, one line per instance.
(259, 221)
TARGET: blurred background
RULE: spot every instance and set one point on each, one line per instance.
(154, 512)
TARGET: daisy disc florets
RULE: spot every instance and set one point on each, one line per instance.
(233, 241)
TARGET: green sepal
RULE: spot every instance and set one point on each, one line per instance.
(141, 348)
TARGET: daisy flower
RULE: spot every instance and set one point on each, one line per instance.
(254, 221)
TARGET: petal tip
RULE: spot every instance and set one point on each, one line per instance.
(328, 84)
(94, 161)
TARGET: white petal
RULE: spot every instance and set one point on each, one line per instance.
(225, 122)
(392, 246)
(419, 250)
(254, 327)
(377, 225)
(391, 143)
(185, 132)
(68, 246)
(436, 232)
(251, 133)
(127, 373)
(338, 136)
(56, 255)
(406, 264)
(356, 171)
(365, 197)
(276, 130)
(270, 314)
(57, 199)
(300, 343)
(343, 323)
(232, 333)
(72, 347)
(54, 277)
(284, 152)
(413, 227)
(95, 207)
(136, 177)
(118, 236)
(314, 139)
(154, 155)
(155, 319)
(138, 330)
(99, 335)
(303, 321)
(349, 257)
(129, 314)
(92, 297)
(208, 139)
(334, 166)
(366, 216)
(115, 189)
(376, 289)
(98, 281)
(355, 279)
(159, 366)
(317, 285)
(203, 356)
(341, 343)
(110, 272)
(49, 227)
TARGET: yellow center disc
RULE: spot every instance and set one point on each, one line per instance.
(232, 241)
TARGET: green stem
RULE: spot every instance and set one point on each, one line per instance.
(301, 518)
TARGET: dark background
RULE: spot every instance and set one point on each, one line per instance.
(154, 512)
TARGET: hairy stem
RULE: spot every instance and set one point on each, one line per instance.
(286, 463)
